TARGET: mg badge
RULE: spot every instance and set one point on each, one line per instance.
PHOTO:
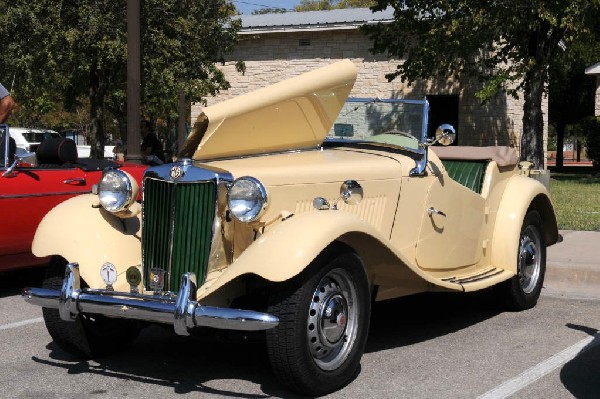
(176, 172)
(157, 279)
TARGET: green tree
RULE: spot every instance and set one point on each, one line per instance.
(318, 5)
(62, 50)
(269, 10)
(571, 98)
(509, 44)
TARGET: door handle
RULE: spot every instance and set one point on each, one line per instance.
(431, 210)
(79, 181)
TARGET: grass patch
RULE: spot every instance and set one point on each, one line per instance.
(576, 199)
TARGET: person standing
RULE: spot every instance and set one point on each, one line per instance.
(152, 151)
(6, 106)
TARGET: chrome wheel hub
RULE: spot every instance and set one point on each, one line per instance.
(529, 260)
(332, 319)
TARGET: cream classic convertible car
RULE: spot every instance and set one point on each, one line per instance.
(265, 224)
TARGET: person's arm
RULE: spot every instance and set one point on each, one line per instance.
(6, 106)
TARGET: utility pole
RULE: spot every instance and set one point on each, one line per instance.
(133, 81)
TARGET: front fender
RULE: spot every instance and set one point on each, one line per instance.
(80, 231)
(520, 194)
(288, 248)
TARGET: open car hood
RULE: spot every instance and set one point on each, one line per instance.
(293, 114)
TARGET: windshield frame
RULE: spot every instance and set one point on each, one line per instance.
(421, 161)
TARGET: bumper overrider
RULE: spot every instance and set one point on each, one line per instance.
(182, 311)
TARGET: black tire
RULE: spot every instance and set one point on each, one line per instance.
(334, 292)
(90, 335)
(523, 290)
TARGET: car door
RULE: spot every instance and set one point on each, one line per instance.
(452, 220)
(28, 193)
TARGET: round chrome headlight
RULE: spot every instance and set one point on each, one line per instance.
(247, 199)
(115, 190)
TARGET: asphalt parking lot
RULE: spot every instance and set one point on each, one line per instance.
(427, 346)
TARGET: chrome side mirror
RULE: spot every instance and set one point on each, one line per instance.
(445, 134)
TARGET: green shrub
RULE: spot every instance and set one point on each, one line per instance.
(591, 127)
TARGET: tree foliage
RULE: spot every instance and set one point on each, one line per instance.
(318, 5)
(270, 10)
(62, 51)
(508, 44)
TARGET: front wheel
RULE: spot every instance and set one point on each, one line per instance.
(89, 335)
(523, 290)
(323, 324)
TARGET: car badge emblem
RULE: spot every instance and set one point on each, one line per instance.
(157, 279)
(176, 172)
(108, 272)
(134, 278)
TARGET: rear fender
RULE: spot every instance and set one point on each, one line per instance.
(521, 194)
(81, 231)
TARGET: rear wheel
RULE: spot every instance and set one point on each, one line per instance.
(89, 335)
(523, 290)
(323, 324)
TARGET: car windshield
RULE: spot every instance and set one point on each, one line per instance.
(390, 121)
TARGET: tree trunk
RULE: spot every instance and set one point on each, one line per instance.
(560, 144)
(96, 94)
(532, 138)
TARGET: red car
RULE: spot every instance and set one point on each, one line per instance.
(28, 192)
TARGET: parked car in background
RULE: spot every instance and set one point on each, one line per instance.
(28, 139)
(265, 224)
(84, 151)
(29, 190)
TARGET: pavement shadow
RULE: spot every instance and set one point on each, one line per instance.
(581, 375)
(418, 318)
(189, 364)
(184, 364)
(12, 282)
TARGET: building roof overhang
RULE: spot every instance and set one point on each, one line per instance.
(593, 70)
(310, 21)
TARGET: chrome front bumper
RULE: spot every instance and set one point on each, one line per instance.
(183, 311)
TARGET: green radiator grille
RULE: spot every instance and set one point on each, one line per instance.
(177, 229)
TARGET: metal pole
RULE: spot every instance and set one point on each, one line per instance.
(133, 81)
(181, 121)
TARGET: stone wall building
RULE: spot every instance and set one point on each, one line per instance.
(279, 46)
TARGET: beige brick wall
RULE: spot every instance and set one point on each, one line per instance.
(273, 57)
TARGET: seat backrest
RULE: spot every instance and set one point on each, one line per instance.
(468, 173)
(56, 150)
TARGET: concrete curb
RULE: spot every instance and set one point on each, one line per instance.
(573, 266)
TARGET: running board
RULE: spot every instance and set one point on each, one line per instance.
(480, 279)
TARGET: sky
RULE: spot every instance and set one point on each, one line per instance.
(246, 6)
